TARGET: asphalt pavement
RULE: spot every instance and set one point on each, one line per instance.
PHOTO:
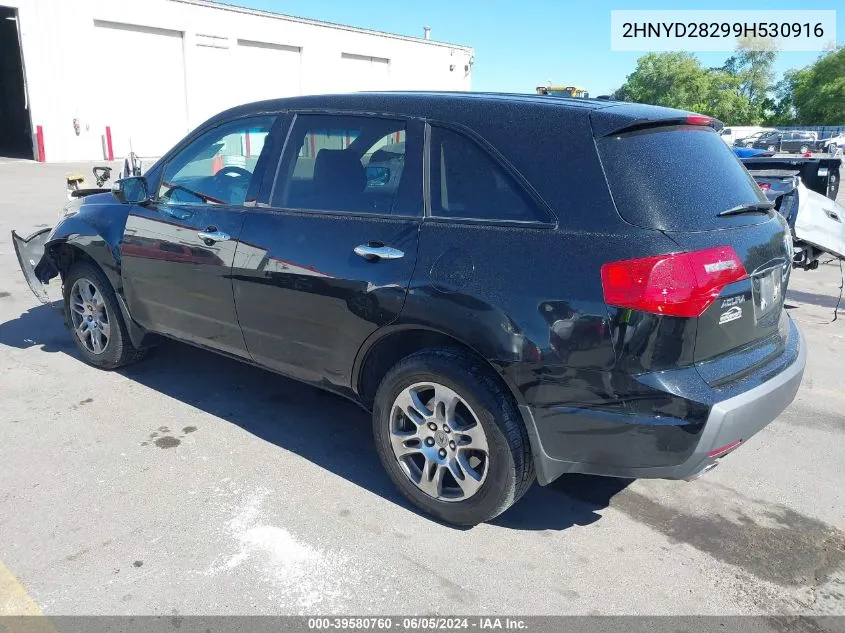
(193, 484)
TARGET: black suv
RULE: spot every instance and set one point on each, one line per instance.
(792, 142)
(512, 284)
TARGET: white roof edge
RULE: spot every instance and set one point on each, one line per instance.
(225, 6)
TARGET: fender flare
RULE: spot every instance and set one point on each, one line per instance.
(81, 237)
(383, 333)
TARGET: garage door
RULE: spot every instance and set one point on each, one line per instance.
(267, 71)
(145, 110)
(359, 72)
(225, 73)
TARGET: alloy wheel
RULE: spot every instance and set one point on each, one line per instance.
(89, 316)
(439, 442)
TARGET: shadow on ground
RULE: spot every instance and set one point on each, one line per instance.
(328, 430)
(39, 326)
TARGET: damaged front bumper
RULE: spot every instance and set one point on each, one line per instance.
(36, 269)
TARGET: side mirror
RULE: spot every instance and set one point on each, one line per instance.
(132, 190)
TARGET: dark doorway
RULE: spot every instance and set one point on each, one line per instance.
(15, 124)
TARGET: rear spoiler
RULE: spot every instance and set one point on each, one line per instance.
(818, 174)
(631, 117)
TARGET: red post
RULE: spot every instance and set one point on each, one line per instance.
(109, 148)
(39, 135)
(248, 153)
(313, 146)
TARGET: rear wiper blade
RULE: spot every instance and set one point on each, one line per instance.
(757, 207)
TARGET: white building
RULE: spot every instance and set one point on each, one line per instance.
(152, 70)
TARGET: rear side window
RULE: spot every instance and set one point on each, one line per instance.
(677, 179)
(466, 182)
(352, 164)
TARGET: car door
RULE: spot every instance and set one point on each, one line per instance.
(790, 143)
(767, 140)
(329, 259)
(177, 250)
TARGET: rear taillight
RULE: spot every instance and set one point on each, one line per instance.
(680, 284)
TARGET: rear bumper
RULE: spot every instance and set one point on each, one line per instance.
(730, 423)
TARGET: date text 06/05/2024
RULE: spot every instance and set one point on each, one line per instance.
(416, 623)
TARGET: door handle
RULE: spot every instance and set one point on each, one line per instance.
(375, 251)
(211, 235)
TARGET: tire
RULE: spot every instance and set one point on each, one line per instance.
(771, 148)
(508, 469)
(803, 149)
(116, 349)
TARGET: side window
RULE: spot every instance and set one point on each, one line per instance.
(466, 182)
(353, 164)
(217, 167)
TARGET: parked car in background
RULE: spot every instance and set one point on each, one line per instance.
(731, 135)
(815, 220)
(832, 144)
(786, 142)
(502, 308)
(749, 140)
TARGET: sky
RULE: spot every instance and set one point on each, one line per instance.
(521, 44)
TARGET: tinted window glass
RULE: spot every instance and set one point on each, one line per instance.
(677, 179)
(467, 183)
(351, 164)
(217, 167)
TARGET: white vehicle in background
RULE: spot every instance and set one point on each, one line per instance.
(817, 222)
(818, 229)
(736, 133)
(834, 144)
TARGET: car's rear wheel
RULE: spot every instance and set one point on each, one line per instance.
(94, 319)
(450, 437)
(803, 149)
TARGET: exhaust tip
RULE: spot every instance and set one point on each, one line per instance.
(702, 472)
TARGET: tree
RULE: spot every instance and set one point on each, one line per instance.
(752, 65)
(674, 80)
(742, 91)
(818, 91)
(678, 80)
(725, 100)
(781, 110)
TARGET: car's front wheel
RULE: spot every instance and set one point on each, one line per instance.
(771, 148)
(94, 319)
(450, 437)
(803, 149)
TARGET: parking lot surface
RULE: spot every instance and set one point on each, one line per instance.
(193, 484)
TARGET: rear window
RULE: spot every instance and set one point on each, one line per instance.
(677, 179)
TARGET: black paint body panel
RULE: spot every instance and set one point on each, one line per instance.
(605, 385)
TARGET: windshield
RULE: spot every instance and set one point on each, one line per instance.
(677, 178)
